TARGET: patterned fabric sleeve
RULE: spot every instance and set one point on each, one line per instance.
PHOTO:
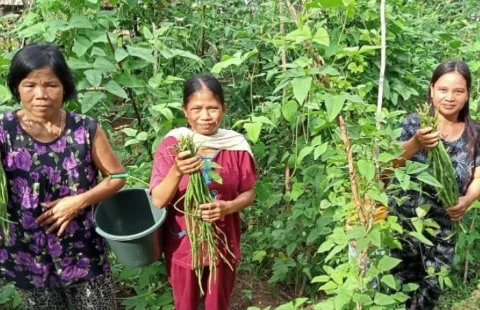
(248, 173)
(409, 126)
(164, 159)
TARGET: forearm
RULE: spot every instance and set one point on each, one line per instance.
(242, 201)
(164, 192)
(103, 190)
(410, 148)
(473, 191)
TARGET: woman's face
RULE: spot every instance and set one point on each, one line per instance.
(449, 94)
(204, 112)
(41, 92)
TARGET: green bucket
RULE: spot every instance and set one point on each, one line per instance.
(130, 224)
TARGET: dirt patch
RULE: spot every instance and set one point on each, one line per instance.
(250, 291)
(472, 303)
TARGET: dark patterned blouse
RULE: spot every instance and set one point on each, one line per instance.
(464, 166)
(42, 172)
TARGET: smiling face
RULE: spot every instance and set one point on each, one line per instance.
(450, 93)
(204, 112)
(41, 92)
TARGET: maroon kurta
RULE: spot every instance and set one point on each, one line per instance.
(238, 175)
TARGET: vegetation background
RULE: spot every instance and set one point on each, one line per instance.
(301, 81)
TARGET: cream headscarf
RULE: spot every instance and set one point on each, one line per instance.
(224, 139)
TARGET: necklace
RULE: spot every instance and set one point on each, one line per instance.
(30, 125)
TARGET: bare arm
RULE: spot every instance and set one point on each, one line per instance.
(423, 138)
(164, 191)
(211, 212)
(473, 193)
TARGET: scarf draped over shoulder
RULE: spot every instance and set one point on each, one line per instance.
(224, 139)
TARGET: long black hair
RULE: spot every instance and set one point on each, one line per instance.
(464, 114)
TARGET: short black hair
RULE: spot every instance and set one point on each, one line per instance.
(37, 56)
(200, 81)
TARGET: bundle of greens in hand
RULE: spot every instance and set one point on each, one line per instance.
(205, 238)
(440, 161)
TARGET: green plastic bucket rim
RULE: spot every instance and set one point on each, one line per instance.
(130, 237)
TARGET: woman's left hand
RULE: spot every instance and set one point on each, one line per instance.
(457, 212)
(59, 213)
(211, 212)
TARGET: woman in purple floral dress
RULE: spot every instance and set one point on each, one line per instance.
(51, 158)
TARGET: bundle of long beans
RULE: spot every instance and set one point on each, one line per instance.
(440, 160)
(205, 238)
(3, 205)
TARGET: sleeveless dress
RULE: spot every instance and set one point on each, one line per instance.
(42, 172)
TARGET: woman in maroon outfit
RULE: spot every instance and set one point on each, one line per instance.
(204, 108)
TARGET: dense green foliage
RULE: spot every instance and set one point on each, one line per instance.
(285, 90)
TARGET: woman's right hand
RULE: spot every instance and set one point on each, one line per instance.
(185, 164)
(425, 138)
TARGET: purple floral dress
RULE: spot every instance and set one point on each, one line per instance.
(41, 172)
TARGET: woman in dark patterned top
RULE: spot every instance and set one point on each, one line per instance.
(51, 158)
(449, 91)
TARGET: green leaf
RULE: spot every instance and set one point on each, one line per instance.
(331, 3)
(94, 77)
(90, 99)
(104, 65)
(298, 188)
(301, 86)
(356, 233)
(326, 246)
(379, 196)
(290, 248)
(79, 22)
(427, 178)
(142, 53)
(304, 152)
(130, 132)
(383, 300)
(142, 136)
(368, 48)
(414, 167)
(387, 263)
(185, 54)
(320, 279)
(422, 210)
(389, 281)
(78, 64)
(420, 237)
(366, 169)
(5, 94)
(165, 111)
(321, 37)
(410, 287)
(236, 60)
(120, 54)
(289, 110)
(319, 150)
(81, 46)
(115, 89)
(334, 104)
(299, 35)
(31, 31)
(253, 131)
(147, 33)
(215, 176)
(417, 224)
(258, 256)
